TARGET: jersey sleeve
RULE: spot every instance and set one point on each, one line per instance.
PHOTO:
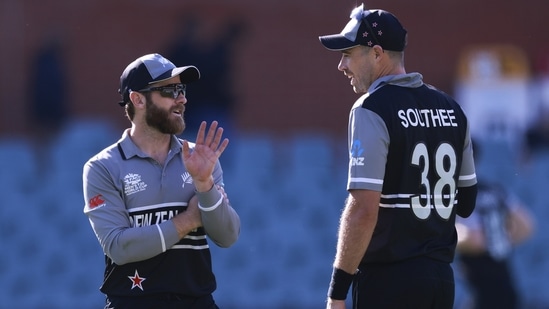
(368, 146)
(221, 222)
(467, 175)
(111, 224)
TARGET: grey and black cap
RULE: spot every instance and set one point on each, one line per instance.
(149, 69)
(368, 28)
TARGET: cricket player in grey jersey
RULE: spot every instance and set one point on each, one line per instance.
(153, 199)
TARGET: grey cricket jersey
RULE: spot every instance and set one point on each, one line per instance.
(130, 199)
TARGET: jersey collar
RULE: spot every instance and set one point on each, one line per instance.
(410, 80)
(130, 150)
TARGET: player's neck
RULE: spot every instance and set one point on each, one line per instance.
(152, 142)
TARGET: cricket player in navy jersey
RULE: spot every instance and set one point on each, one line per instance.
(153, 199)
(411, 170)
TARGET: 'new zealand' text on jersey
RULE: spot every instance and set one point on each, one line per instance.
(411, 142)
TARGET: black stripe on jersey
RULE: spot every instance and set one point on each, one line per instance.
(395, 200)
(195, 240)
(156, 214)
(119, 146)
(403, 200)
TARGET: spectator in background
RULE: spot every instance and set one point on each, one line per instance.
(485, 242)
(214, 56)
(537, 135)
(49, 89)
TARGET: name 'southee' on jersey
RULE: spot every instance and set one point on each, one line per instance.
(428, 118)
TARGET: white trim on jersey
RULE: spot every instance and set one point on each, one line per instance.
(162, 240)
(213, 207)
(190, 247)
(156, 206)
(467, 177)
(366, 180)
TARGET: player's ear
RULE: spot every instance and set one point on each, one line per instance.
(137, 98)
(378, 51)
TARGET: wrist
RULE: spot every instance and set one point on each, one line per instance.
(340, 283)
(209, 200)
(203, 185)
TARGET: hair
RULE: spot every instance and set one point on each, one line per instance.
(396, 56)
(129, 110)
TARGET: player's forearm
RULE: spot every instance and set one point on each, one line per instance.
(186, 222)
(355, 232)
(220, 220)
(137, 244)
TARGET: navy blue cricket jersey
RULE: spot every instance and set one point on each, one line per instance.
(411, 142)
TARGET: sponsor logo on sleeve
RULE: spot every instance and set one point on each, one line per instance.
(96, 201)
(356, 153)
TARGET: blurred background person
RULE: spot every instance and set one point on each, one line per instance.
(485, 243)
(49, 84)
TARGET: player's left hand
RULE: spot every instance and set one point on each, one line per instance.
(201, 161)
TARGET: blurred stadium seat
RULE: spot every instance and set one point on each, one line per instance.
(18, 165)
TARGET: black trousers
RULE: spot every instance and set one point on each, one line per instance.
(492, 282)
(164, 301)
(419, 283)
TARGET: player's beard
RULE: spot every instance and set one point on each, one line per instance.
(163, 120)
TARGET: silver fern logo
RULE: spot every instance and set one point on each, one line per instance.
(187, 179)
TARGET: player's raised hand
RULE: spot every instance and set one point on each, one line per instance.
(201, 161)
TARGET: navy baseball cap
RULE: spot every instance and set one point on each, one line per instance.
(152, 68)
(368, 28)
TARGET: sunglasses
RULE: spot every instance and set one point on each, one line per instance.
(168, 91)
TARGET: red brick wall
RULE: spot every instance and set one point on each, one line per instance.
(284, 80)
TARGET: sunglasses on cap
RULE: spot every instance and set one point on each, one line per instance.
(168, 91)
(359, 14)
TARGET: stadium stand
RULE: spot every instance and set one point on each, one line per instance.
(289, 194)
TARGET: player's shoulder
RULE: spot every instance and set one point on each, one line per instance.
(391, 91)
(395, 94)
(112, 152)
(436, 91)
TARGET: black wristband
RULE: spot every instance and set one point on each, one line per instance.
(339, 286)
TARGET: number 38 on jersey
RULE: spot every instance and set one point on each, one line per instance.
(438, 192)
